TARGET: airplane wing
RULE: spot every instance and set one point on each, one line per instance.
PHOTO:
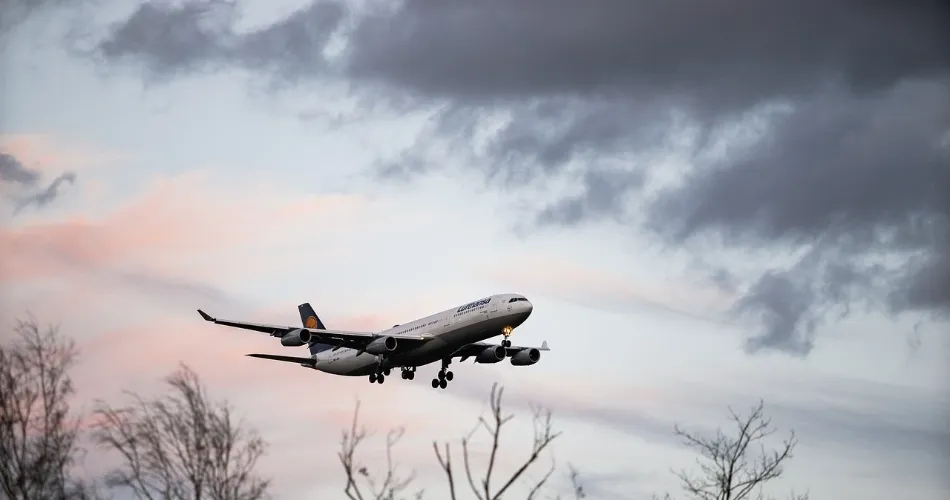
(341, 338)
(471, 350)
(288, 359)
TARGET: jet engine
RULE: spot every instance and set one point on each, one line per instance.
(526, 357)
(491, 354)
(382, 345)
(295, 338)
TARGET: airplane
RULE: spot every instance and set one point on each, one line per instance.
(453, 333)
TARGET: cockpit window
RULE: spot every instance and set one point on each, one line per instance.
(516, 299)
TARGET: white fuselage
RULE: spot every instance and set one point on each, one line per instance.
(451, 329)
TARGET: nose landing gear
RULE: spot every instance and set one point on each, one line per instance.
(408, 373)
(444, 376)
(506, 331)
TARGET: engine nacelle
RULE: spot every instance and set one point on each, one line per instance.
(295, 338)
(526, 357)
(381, 345)
(491, 354)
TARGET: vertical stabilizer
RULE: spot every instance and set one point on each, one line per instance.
(309, 319)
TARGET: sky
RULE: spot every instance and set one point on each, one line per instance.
(707, 203)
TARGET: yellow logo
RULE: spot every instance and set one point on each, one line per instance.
(311, 322)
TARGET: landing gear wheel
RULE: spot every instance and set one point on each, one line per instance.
(381, 378)
(387, 371)
(449, 376)
(404, 375)
(372, 378)
(435, 383)
(410, 375)
(441, 375)
(443, 384)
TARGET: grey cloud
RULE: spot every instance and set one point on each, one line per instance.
(12, 170)
(718, 54)
(172, 290)
(46, 195)
(848, 170)
(168, 40)
(602, 196)
(782, 305)
(850, 180)
(15, 12)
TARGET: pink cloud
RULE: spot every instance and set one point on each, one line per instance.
(51, 155)
(183, 227)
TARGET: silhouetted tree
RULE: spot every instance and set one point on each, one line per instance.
(543, 436)
(393, 484)
(181, 446)
(737, 465)
(38, 435)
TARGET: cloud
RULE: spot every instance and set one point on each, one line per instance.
(812, 128)
(615, 291)
(171, 39)
(14, 172)
(46, 195)
(48, 153)
(177, 241)
(835, 415)
(16, 12)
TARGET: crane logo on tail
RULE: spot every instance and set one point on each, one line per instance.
(311, 322)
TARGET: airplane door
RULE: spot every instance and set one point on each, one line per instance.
(446, 320)
(494, 307)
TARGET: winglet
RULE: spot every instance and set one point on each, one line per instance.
(205, 315)
(544, 346)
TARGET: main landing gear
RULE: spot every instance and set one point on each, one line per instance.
(445, 376)
(506, 331)
(379, 376)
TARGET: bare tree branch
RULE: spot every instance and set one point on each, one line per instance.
(38, 435)
(728, 468)
(543, 435)
(577, 489)
(181, 446)
(446, 464)
(392, 484)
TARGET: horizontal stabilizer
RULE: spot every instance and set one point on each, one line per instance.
(288, 359)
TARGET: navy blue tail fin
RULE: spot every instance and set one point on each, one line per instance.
(309, 319)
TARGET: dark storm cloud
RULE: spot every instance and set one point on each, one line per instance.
(853, 95)
(723, 53)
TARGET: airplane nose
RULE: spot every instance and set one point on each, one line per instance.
(530, 306)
